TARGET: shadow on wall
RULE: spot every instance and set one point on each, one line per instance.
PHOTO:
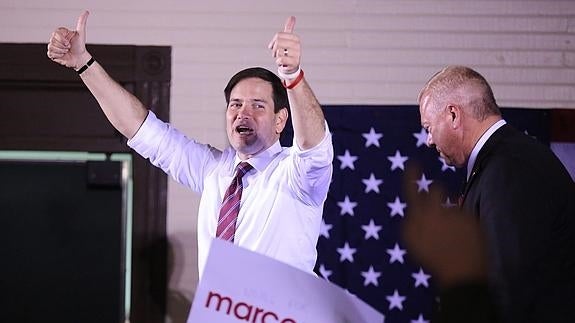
(172, 304)
(178, 302)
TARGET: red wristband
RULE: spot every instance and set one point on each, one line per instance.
(295, 82)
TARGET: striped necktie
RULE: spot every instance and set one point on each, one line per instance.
(231, 205)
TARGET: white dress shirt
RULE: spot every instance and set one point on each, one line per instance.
(282, 199)
(482, 140)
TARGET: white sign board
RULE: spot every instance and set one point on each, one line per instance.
(242, 286)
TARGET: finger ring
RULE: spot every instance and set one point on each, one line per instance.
(285, 52)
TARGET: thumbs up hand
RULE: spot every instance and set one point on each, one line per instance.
(68, 47)
(286, 48)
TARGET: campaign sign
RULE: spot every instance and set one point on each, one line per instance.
(242, 286)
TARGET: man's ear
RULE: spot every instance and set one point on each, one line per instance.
(281, 119)
(455, 115)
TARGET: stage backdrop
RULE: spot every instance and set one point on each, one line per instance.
(360, 248)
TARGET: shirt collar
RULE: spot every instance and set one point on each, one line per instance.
(482, 140)
(261, 160)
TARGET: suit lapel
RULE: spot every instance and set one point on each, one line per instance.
(483, 157)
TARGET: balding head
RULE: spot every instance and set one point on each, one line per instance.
(464, 87)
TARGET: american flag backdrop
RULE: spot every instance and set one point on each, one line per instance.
(360, 248)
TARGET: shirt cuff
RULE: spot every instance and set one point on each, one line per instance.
(325, 142)
(148, 134)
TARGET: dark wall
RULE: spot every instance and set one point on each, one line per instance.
(45, 107)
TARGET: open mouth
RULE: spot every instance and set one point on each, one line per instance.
(243, 130)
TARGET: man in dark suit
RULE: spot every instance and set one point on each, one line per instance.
(519, 191)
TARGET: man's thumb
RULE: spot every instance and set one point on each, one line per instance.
(289, 24)
(81, 24)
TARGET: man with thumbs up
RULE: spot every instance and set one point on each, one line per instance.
(278, 192)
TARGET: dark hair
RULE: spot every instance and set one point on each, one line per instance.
(279, 92)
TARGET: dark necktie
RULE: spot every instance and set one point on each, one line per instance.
(231, 205)
(462, 195)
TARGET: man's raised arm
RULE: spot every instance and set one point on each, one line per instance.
(123, 110)
(307, 117)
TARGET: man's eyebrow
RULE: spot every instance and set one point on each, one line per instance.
(256, 101)
(235, 101)
(249, 100)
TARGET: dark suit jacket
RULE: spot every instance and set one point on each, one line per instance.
(525, 201)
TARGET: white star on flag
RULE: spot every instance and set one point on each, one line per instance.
(396, 254)
(372, 183)
(395, 300)
(346, 253)
(324, 272)
(324, 229)
(396, 207)
(448, 203)
(346, 206)
(423, 184)
(372, 138)
(421, 278)
(397, 161)
(421, 137)
(370, 277)
(420, 319)
(371, 230)
(347, 160)
(444, 165)
(527, 133)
